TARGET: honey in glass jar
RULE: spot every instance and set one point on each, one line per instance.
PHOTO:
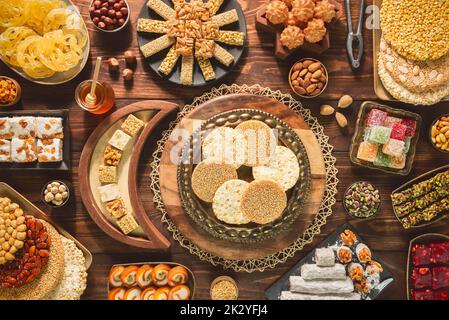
(104, 93)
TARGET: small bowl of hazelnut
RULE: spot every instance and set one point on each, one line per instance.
(308, 78)
(109, 15)
(56, 193)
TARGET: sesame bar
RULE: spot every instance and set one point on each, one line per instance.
(161, 9)
(187, 70)
(156, 46)
(169, 62)
(150, 25)
(206, 68)
(214, 6)
(116, 208)
(223, 56)
(107, 174)
(233, 38)
(225, 18)
(127, 223)
(132, 125)
(204, 48)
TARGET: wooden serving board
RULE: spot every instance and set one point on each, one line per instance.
(148, 236)
(169, 184)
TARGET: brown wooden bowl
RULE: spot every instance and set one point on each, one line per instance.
(155, 239)
(223, 278)
(293, 87)
(19, 92)
(430, 134)
(282, 52)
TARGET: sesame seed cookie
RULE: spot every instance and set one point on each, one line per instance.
(415, 76)
(402, 94)
(207, 177)
(263, 201)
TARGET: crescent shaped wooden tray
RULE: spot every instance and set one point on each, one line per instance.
(148, 237)
(170, 191)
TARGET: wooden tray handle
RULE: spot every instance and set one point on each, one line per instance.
(163, 109)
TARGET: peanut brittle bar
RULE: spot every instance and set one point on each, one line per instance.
(223, 56)
(169, 61)
(176, 28)
(193, 29)
(233, 38)
(187, 70)
(161, 9)
(184, 46)
(225, 18)
(156, 46)
(210, 30)
(204, 48)
(150, 25)
(206, 68)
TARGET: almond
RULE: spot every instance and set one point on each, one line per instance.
(326, 110)
(307, 63)
(303, 73)
(345, 101)
(295, 75)
(341, 119)
(314, 67)
(297, 67)
(311, 88)
(300, 90)
(317, 74)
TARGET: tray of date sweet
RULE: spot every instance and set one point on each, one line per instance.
(423, 200)
(385, 139)
(428, 267)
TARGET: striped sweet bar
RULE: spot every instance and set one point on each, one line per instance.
(156, 46)
(233, 38)
(223, 56)
(225, 18)
(214, 6)
(161, 9)
(206, 68)
(187, 70)
(150, 25)
(169, 61)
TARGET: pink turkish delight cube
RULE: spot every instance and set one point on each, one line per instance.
(391, 120)
(376, 117)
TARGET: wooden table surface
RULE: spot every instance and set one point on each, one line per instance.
(383, 234)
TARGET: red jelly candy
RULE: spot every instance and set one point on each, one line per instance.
(411, 126)
(421, 278)
(398, 131)
(422, 295)
(420, 254)
(441, 295)
(439, 252)
(440, 277)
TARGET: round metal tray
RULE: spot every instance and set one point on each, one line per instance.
(198, 79)
(201, 212)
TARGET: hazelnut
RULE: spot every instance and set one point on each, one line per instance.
(114, 65)
(128, 74)
(130, 58)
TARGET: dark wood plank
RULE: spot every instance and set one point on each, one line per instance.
(258, 66)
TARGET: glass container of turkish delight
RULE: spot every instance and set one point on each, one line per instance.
(385, 138)
(428, 267)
